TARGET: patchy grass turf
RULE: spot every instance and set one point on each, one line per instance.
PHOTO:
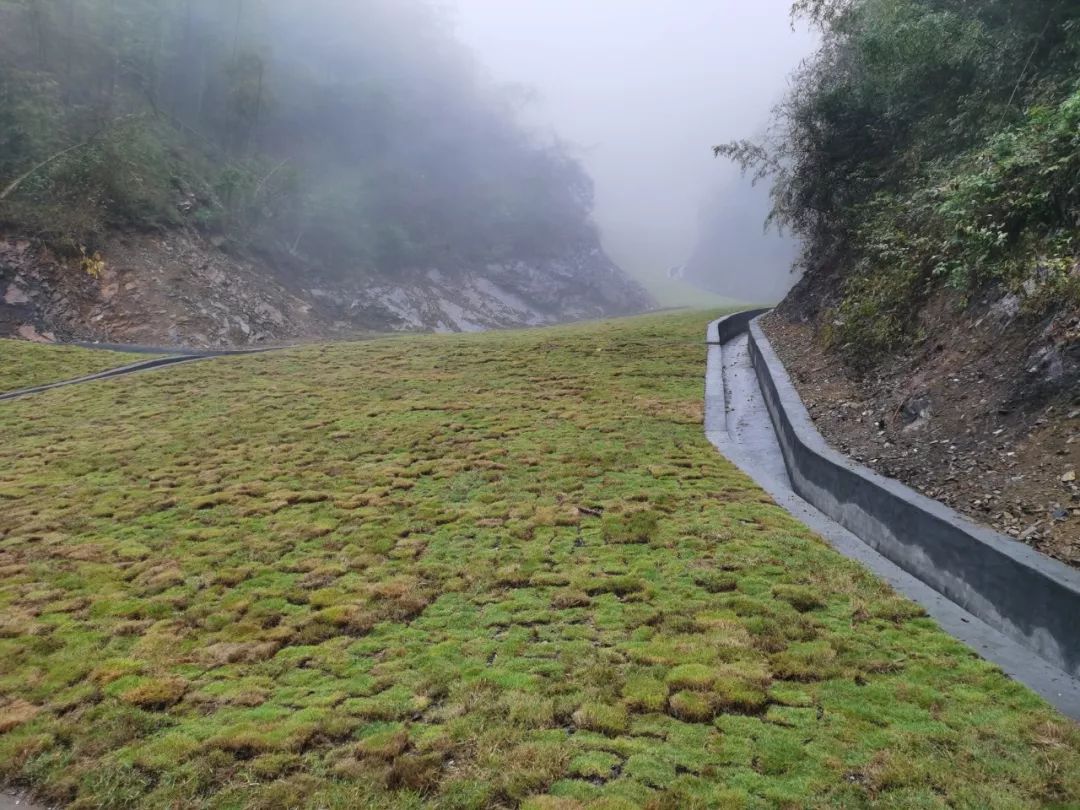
(462, 572)
(26, 365)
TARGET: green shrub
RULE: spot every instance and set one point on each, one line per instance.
(931, 145)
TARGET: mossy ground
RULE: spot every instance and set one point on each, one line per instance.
(462, 572)
(26, 365)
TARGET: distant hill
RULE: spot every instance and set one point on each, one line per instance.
(735, 256)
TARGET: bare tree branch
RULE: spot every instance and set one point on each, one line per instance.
(18, 181)
(13, 186)
(267, 178)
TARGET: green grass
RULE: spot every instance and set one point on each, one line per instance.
(27, 365)
(463, 572)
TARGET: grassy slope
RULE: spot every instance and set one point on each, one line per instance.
(376, 575)
(25, 365)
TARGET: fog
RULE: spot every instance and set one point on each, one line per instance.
(642, 90)
(358, 143)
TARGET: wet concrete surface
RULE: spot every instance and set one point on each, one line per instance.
(746, 416)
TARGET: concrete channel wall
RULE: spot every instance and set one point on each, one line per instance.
(1013, 588)
(732, 326)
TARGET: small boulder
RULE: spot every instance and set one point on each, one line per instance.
(916, 412)
(16, 296)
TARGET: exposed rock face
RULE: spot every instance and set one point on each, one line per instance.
(180, 289)
(583, 285)
(151, 291)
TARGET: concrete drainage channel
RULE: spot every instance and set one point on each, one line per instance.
(1015, 607)
(186, 356)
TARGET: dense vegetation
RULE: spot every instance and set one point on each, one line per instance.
(930, 144)
(355, 136)
(468, 572)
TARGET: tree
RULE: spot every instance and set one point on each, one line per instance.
(923, 145)
(357, 132)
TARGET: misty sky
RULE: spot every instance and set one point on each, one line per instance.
(642, 89)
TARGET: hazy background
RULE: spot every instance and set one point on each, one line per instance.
(642, 90)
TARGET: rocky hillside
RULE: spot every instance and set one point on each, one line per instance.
(209, 173)
(178, 288)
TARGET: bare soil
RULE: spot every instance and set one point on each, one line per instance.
(983, 415)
